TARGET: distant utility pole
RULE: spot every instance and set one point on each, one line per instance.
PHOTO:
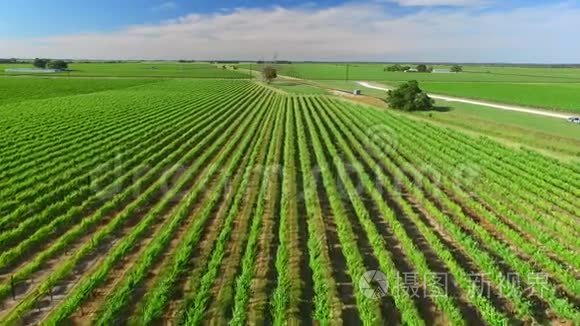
(346, 72)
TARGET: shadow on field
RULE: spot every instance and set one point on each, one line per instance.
(287, 83)
(441, 109)
(434, 109)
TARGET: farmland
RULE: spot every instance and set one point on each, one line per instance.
(556, 88)
(559, 96)
(141, 69)
(472, 73)
(297, 87)
(554, 136)
(220, 200)
(25, 89)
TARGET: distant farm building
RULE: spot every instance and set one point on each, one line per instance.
(412, 70)
(443, 71)
(31, 71)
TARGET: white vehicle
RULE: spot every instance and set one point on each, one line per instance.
(574, 119)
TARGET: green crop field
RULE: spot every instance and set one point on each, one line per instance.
(25, 89)
(559, 96)
(224, 201)
(368, 71)
(142, 69)
(558, 74)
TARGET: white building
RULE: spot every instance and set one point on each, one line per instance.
(443, 71)
(31, 71)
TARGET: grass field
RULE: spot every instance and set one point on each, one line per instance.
(361, 71)
(562, 74)
(556, 96)
(214, 201)
(26, 89)
(144, 69)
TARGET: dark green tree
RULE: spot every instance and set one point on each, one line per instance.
(409, 97)
(57, 64)
(396, 67)
(456, 68)
(269, 73)
(421, 68)
(40, 63)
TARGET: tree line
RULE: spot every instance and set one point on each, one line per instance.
(50, 64)
(419, 68)
(11, 60)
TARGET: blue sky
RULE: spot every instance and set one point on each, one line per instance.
(25, 18)
(133, 28)
(33, 18)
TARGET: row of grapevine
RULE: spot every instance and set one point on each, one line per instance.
(531, 248)
(558, 305)
(90, 165)
(124, 197)
(223, 201)
(80, 191)
(119, 220)
(121, 296)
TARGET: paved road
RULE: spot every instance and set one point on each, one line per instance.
(483, 103)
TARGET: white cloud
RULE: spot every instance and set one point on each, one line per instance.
(348, 32)
(432, 3)
(168, 5)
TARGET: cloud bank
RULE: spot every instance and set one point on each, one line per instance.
(168, 5)
(348, 32)
(430, 3)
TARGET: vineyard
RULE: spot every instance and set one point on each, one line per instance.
(14, 90)
(213, 201)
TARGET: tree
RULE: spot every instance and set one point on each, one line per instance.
(269, 73)
(456, 68)
(57, 64)
(422, 101)
(396, 67)
(40, 63)
(422, 68)
(409, 97)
